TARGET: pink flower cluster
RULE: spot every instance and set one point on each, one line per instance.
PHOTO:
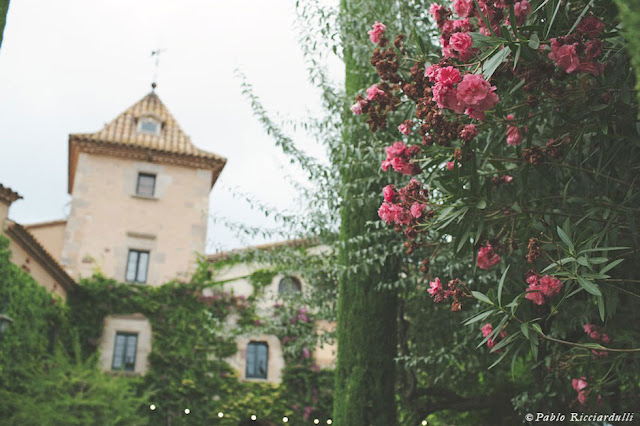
(455, 290)
(596, 334)
(405, 127)
(406, 206)
(376, 33)
(579, 53)
(579, 385)
(541, 288)
(470, 93)
(514, 136)
(455, 40)
(487, 257)
(399, 157)
(487, 329)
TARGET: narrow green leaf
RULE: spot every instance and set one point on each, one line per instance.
(589, 286)
(601, 307)
(565, 238)
(478, 317)
(501, 284)
(481, 297)
(525, 329)
(492, 64)
(611, 266)
(499, 359)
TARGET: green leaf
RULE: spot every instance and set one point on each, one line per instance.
(481, 204)
(534, 41)
(481, 297)
(537, 327)
(601, 307)
(611, 266)
(589, 286)
(501, 284)
(499, 359)
(525, 329)
(565, 238)
(583, 261)
(492, 64)
(478, 317)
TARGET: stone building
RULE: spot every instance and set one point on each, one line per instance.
(139, 208)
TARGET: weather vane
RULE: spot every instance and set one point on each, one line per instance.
(156, 53)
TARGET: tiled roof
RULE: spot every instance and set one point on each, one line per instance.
(7, 195)
(121, 137)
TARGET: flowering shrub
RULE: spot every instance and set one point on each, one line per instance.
(520, 139)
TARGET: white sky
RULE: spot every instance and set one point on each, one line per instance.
(70, 66)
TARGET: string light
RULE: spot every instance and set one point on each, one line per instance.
(152, 407)
(424, 423)
(187, 411)
(285, 419)
(221, 414)
(316, 421)
(253, 417)
(329, 421)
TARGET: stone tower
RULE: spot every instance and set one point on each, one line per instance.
(140, 196)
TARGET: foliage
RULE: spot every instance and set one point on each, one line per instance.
(64, 389)
(528, 203)
(630, 18)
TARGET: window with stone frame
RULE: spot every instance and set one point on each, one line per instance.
(124, 351)
(257, 360)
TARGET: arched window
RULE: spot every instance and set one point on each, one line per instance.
(289, 285)
(149, 125)
(257, 360)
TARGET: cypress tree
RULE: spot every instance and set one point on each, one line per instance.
(366, 332)
(4, 8)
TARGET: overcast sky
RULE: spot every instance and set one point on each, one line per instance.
(70, 66)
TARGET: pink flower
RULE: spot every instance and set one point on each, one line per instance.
(593, 49)
(374, 93)
(463, 8)
(376, 32)
(306, 353)
(579, 384)
(389, 193)
(590, 26)
(565, 56)
(435, 287)
(356, 108)
(405, 127)
(508, 179)
(461, 42)
(487, 329)
(417, 209)
(432, 72)
(487, 258)
(469, 132)
(439, 13)
(514, 137)
(534, 292)
(550, 286)
(522, 10)
(475, 91)
(451, 165)
(448, 76)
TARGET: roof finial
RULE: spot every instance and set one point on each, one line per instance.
(156, 53)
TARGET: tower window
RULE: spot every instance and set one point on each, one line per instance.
(146, 185)
(257, 360)
(137, 266)
(289, 285)
(149, 125)
(124, 351)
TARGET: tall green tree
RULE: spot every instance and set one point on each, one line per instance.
(4, 8)
(367, 332)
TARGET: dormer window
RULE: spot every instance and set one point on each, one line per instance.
(149, 125)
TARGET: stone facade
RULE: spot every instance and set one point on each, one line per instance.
(108, 219)
(136, 324)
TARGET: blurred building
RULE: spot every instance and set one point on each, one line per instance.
(139, 210)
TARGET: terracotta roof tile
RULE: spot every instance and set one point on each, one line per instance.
(171, 145)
